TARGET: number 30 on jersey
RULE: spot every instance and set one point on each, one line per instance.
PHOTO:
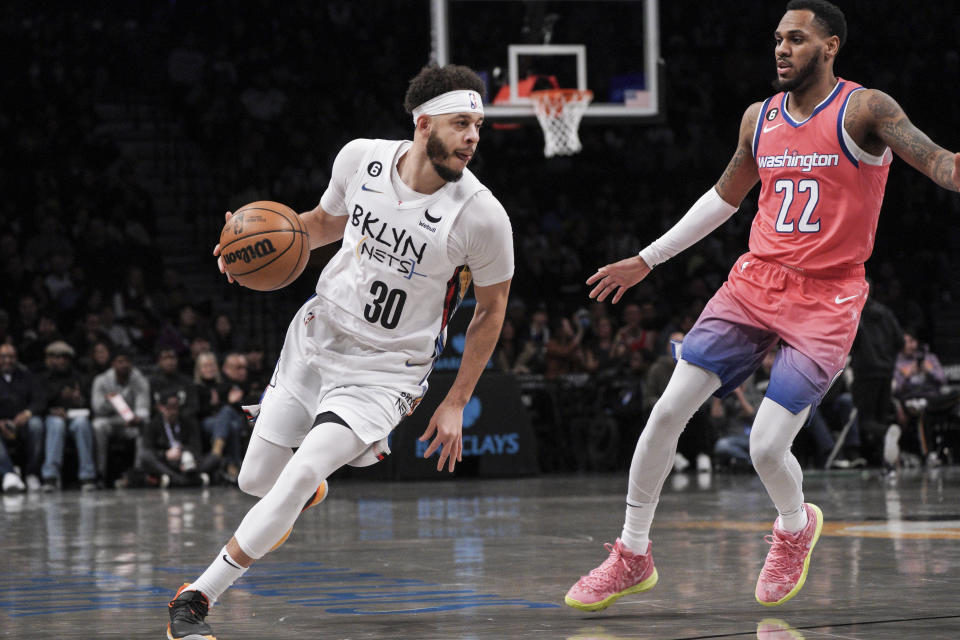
(386, 306)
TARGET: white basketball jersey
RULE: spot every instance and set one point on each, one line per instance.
(392, 278)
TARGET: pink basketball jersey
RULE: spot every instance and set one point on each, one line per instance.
(820, 193)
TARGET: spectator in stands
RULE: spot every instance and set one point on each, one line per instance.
(919, 388)
(97, 359)
(206, 379)
(599, 345)
(564, 353)
(223, 338)
(133, 297)
(88, 333)
(116, 331)
(20, 426)
(200, 344)
(633, 335)
(511, 351)
(167, 379)
(873, 357)
(61, 288)
(227, 428)
(537, 335)
(32, 354)
(65, 409)
(120, 398)
(25, 320)
(171, 446)
(259, 370)
(918, 372)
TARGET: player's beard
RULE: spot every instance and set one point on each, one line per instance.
(803, 74)
(438, 154)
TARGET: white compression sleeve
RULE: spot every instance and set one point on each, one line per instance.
(706, 214)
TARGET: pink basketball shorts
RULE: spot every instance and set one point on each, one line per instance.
(813, 315)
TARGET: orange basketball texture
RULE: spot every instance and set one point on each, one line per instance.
(264, 245)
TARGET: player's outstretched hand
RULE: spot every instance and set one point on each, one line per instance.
(446, 426)
(616, 278)
(216, 250)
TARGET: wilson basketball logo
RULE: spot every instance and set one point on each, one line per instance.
(250, 252)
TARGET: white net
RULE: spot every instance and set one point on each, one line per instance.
(559, 112)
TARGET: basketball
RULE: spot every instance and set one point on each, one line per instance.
(264, 245)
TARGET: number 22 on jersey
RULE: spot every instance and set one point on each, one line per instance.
(785, 221)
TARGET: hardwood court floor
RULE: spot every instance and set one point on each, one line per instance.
(472, 560)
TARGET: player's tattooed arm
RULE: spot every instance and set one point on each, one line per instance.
(741, 173)
(893, 127)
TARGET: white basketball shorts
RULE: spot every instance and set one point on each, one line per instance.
(324, 369)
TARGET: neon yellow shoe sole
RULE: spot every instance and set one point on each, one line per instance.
(646, 585)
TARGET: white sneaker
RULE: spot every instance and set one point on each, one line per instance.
(33, 483)
(12, 483)
(703, 463)
(205, 479)
(891, 445)
(680, 463)
(164, 481)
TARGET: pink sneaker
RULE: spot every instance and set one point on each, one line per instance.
(785, 569)
(620, 574)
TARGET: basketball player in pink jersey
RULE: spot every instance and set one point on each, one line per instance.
(821, 149)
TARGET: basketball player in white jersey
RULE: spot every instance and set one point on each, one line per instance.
(416, 227)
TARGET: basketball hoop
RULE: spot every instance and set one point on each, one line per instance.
(559, 112)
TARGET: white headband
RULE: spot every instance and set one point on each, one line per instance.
(450, 102)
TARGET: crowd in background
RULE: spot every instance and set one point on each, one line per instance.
(90, 312)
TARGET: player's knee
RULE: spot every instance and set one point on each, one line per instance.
(250, 483)
(668, 415)
(303, 478)
(765, 455)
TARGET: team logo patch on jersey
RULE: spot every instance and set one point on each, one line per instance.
(430, 218)
(772, 114)
(407, 404)
(374, 168)
(309, 318)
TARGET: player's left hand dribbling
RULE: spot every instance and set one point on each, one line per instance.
(446, 428)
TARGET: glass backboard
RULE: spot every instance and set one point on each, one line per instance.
(611, 47)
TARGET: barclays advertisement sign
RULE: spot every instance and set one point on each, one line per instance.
(498, 439)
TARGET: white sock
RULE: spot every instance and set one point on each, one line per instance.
(793, 521)
(218, 577)
(636, 527)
